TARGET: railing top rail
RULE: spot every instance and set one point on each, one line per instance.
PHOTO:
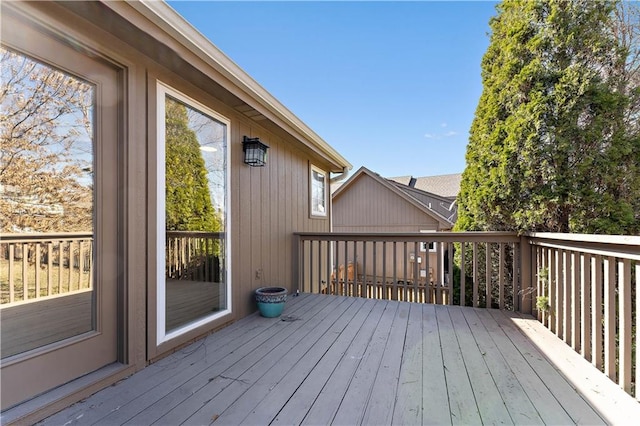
(201, 234)
(412, 236)
(622, 246)
(629, 240)
(45, 236)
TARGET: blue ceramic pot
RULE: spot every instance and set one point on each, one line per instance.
(271, 301)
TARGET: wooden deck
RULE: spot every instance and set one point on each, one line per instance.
(341, 360)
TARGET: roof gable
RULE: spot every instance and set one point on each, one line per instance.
(447, 186)
(392, 187)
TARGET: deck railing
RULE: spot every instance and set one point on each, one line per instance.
(194, 256)
(417, 267)
(584, 288)
(35, 266)
(588, 294)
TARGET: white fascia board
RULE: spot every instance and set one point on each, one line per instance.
(167, 19)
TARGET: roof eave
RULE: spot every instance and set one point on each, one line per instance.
(167, 19)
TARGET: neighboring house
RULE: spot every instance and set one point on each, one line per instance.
(369, 203)
(447, 186)
(140, 60)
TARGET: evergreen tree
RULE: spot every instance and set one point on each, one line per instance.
(188, 202)
(548, 147)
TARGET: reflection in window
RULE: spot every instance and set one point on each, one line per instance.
(195, 197)
(46, 188)
(318, 192)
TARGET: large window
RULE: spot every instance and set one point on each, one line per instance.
(193, 257)
(46, 203)
(318, 192)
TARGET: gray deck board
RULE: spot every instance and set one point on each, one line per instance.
(322, 392)
(352, 361)
(352, 408)
(490, 401)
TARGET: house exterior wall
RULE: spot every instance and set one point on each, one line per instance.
(368, 206)
(267, 204)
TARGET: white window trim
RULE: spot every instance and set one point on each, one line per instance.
(423, 245)
(313, 213)
(161, 335)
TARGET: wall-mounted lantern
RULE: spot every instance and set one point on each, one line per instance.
(255, 152)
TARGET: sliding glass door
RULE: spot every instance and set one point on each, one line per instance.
(193, 255)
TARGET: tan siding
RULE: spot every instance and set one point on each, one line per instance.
(273, 205)
(368, 206)
(268, 204)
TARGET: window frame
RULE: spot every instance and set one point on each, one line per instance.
(162, 336)
(313, 212)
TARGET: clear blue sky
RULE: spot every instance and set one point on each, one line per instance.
(392, 86)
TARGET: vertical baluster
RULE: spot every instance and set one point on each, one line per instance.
(37, 266)
(81, 262)
(207, 267)
(596, 316)
(566, 286)
(624, 302)
(450, 274)
(385, 288)
(375, 289)
(318, 279)
(488, 282)
(363, 283)
(329, 266)
(610, 318)
(575, 303)
(559, 294)
(60, 266)
(553, 290)
(405, 278)
(439, 271)
(12, 291)
(416, 272)
(428, 288)
(354, 287)
(25, 271)
(501, 276)
(394, 294)
(311, 256)
(637, 336)
(585, 306)
(49, 267)
(476, 293)
(463, 295)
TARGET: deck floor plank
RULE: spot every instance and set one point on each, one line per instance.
(462, 402)
(604, 395)
(319, 396)
(408, 406)
(356, 361)
(381, 404)
(435, 400)
(304, 355)
(194, 376)
(490, 401)
(516, 400)
(547, 407)
(235, 376)
(352, 407)
(575, 406)
(190, 359)
(283, 393)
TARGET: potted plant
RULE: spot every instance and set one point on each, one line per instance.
(271, 301)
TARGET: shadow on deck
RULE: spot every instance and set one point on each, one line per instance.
(342, 360)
